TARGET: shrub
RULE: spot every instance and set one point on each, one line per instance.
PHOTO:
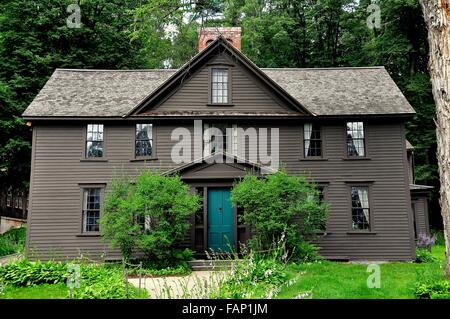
(96, 281)
(280, 204)
(28, 273)
(153, 215)
(102, 282)
(165, 204)
(424, 256)
(306, 252)
(435, 290)
(13, 241)
(118, 223)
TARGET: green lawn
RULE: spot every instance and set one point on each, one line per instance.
(58, 291)
(348, 280)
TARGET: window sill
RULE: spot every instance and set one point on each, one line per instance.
(307, 159)
(93, 160)
(361, 232)
(357, 158)
(143, 159)
(220, 104)
(93, 234)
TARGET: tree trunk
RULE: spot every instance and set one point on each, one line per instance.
(437, 16)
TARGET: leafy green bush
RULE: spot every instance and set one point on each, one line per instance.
(102, 282)
(97, 281)
(13, 241)
(280, 204)
(424, 256)
(435, 290)
(153, 215)
(306, 252)
(118, 224)
(28, 273)
(165, 203)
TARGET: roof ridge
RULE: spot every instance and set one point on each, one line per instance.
(108, 70)
(330, 68)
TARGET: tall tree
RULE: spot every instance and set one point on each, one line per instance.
(437, 17)
(34, 40)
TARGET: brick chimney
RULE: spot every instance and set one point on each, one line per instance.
(208, 35)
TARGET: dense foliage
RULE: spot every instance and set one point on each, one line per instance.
(152, 215)
(96, 281)
(118, 224)
(278, 206)
(13, 241)
(436, 290)
(424, 256)
(34, 39)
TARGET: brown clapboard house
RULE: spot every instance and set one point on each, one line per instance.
(344, 128)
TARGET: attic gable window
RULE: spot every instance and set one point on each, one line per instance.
(220, 93)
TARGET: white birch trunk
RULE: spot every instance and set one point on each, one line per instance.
(437, 16)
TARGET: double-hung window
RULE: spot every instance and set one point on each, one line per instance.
(360, 208)
(355, 139)
(144, 140)
(91, 209)
(220, 137)
(94, 141)
(220, 93)
(312, 140)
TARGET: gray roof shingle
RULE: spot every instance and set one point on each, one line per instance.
(104, 93)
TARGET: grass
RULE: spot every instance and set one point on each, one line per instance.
(58, 291)
(327, 279)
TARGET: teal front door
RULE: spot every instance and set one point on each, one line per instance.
(220, 220)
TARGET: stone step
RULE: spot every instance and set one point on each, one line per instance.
(201, 264)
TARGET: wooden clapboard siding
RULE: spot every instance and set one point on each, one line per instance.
(248, 94)
(58, 172)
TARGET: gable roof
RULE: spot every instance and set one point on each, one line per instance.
(117, 94)
(220, 45)
(220, 158)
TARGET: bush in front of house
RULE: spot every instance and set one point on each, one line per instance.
(281, 204)
(424, 256)
(25, 273)
(13, 241)
(439, 289)
(97, 281)
(152, 215)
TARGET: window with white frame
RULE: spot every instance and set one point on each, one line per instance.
(219, 86)
(219, 138)
(355, 139)
(312, 140)
(144, 140)
(360, 208)
(94, 141)
(91, 209)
